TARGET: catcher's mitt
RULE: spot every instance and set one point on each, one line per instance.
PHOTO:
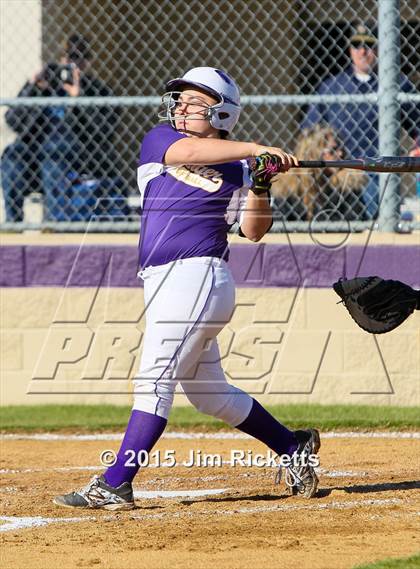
(377, 305)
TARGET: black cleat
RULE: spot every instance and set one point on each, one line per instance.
(98, 494)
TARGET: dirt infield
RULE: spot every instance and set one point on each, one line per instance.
(367, 507)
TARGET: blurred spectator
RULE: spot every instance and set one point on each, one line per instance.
(357, 123)
(325, 194)
(61, 151)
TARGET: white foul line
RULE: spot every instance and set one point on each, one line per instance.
(12, 523)
(323, 471)
(221, 435)
(154, 494)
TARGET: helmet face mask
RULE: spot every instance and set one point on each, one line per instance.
(204, 111)
(222, 115)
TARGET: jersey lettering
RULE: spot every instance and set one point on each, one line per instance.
(207, 179)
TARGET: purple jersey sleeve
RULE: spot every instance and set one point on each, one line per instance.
(156, 143)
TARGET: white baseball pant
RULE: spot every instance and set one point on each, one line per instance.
(188, 302)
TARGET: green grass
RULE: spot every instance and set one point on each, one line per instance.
(407, 563)
(112, 417)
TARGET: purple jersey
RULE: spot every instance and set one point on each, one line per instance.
(186, 210)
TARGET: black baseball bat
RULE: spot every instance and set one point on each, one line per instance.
(381, 164)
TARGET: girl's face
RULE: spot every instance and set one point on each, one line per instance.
(190, 113)
(332, 151)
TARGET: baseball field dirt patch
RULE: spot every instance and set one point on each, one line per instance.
(220, 512)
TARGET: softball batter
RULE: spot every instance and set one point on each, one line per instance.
(194, 185)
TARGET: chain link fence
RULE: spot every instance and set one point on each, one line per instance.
(82, 79)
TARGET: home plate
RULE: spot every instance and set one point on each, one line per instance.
(152, 494)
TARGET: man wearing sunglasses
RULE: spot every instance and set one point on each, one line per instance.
(357, 123)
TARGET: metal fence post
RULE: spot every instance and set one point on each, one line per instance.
(389, 107)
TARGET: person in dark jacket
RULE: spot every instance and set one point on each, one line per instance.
(57, 146)
(357, 123)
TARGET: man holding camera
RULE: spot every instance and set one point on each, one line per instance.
(357, 124)
(57, 146)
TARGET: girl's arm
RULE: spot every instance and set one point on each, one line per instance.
(208, 151)
(258, 216)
